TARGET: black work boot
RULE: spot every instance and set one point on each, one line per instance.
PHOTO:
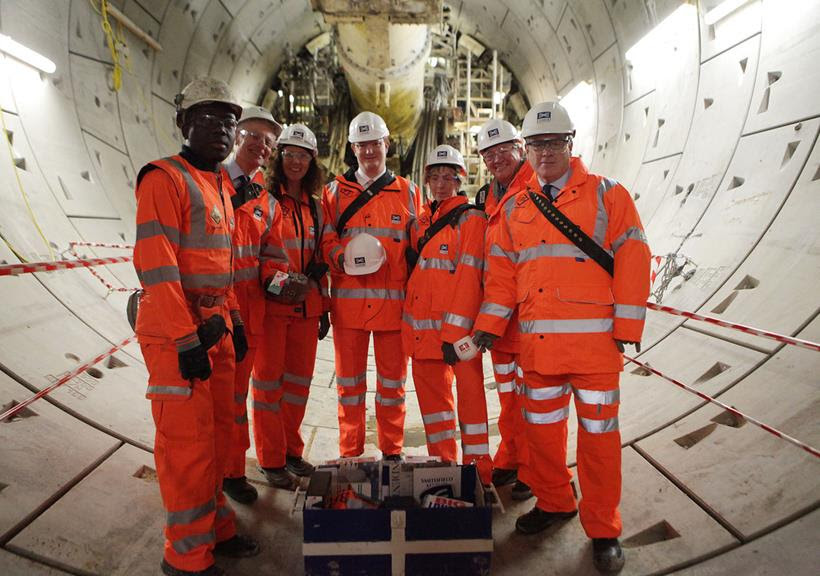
(298, 466)
(240, 490)
(520, 491)
(503, 476)
(169, 570)
(607, 555)
(536, 520)
(237, 546)
(393, 457)
(278, 477)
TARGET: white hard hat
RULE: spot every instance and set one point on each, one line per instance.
(547, 118)
(205, 90)
(367, 126)
(259, 113)
(496, 131)
(298, 135)
(445, 155)
(364, 254)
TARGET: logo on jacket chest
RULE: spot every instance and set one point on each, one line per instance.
(444, 249)
(257, 213)
(395, 218)
(216, 215)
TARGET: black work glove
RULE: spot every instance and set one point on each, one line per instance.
(316, 270)
(240, 342)
(211, 331)
(194, 363)
(484, 340)
(324, 325)
(620, 344)
(449, 351)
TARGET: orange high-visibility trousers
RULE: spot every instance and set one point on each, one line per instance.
(545, 403)
(510, 424)
(433, 380)
(281, 384)
(190, 449)
(235, 466)
(351, 346)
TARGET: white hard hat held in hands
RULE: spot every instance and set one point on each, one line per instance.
(364, 254)
(365, 127)
(445, 155)
(496, 131)
(547, 118)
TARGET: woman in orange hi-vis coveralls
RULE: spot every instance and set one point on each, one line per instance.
(361, 304)
(502, 150)
(258, 222)
(183, 257)
(443, 296)
(574, 318)
(284, 369)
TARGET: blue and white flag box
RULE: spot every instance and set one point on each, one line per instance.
(415, 542)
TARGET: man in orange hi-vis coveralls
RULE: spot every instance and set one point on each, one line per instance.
(184, 259)
(282, 376)
(364, 247)
(502, 149)
(577, 308)
(443, 296)
(258, 223)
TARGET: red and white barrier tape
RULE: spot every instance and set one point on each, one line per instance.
(759, 424)
(7, 415)
(97, 275)
(31, 267)
(71, 245)
(741, 327)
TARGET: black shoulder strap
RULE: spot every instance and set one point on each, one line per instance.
(481, 196)
(450, 218)
(366, 196)
(574, 233)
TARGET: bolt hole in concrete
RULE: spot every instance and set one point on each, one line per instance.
(24, 413)
(94, 372)
(70, 356)
(660, 532)
(146, 473)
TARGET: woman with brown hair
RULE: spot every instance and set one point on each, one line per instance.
(294, 319)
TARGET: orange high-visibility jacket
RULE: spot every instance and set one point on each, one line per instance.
(258, 229)
(510, 340)
(570, 309)
(444, 290)
(183, 247)
(299, 237)
(373, 301)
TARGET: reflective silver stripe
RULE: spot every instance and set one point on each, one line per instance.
(198, 236)
(206, 280)
(546, 417)
(171, 390)
(508, 368)
(223, 512)
(388, 383)
(245, 251)
(190, 515)
(398, 234)
(630, 312)
(389, 401)
(294, 399)
(496, 250)
(519, 372)
(423, 324)
(601, 216)
(267, 406)
(411, 201)
(334, 253)
(458, 320)
(351, 400)
(297, 243)
(599, 426)
(605, 397)
(300, 380)
(436, 264)
(273, 204)
(505, 387)
(588, 326)
(496, 310)
(367, 293)
(551, 251)
(246, 274)
(470, 260)
(473, 428)
(266, 384)
(185, 545)
(325, 292)
(633, 233)
(352, 380)
(272, 252)
(439, 436)
(475, 449)
(158, 275)
(546, 393)
(438, 417)
(156, 228)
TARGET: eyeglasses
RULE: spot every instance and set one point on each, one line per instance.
(296, 155)
(212, 122)
(497, 151)
(553, 145)
(265, 139)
